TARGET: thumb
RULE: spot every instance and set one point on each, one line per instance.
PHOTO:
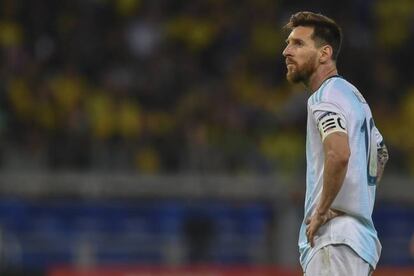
(307, 221)
(335, 213)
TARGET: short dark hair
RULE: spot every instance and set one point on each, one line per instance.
(325, 29)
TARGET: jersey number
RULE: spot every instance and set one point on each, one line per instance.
(371, 151)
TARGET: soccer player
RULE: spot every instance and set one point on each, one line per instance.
(345, 155)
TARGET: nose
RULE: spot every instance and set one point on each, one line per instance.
(286, 52)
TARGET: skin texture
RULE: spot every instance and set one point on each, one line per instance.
(310, 62)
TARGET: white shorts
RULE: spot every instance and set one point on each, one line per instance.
(337, 260)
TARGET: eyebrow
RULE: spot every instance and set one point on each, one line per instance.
(295, 40)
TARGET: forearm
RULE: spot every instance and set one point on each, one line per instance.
(334, 174)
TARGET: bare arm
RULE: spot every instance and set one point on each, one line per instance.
(336, 152)
(382, 160)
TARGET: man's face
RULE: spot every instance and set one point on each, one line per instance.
(300, 54)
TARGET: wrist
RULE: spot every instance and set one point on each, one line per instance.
(321, 212)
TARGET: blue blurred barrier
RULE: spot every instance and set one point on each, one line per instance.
(395, 226)
(152, 232)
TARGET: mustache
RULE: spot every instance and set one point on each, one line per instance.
(289, 61)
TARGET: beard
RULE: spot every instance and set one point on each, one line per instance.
(302, 73)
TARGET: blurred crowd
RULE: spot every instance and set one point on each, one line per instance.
(167, 86)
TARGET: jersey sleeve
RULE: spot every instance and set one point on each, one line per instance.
(329, 119)
(378, 136)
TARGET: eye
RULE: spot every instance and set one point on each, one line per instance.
(298, 42)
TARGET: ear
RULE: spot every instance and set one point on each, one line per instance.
(326, 53)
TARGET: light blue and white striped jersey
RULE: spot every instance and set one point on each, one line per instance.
(357, 195)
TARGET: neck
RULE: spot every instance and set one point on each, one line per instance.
(319, 76)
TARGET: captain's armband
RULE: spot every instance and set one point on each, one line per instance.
(331, 122)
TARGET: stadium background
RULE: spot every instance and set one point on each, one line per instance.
(151, 137)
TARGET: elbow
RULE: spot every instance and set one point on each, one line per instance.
(339, 158)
